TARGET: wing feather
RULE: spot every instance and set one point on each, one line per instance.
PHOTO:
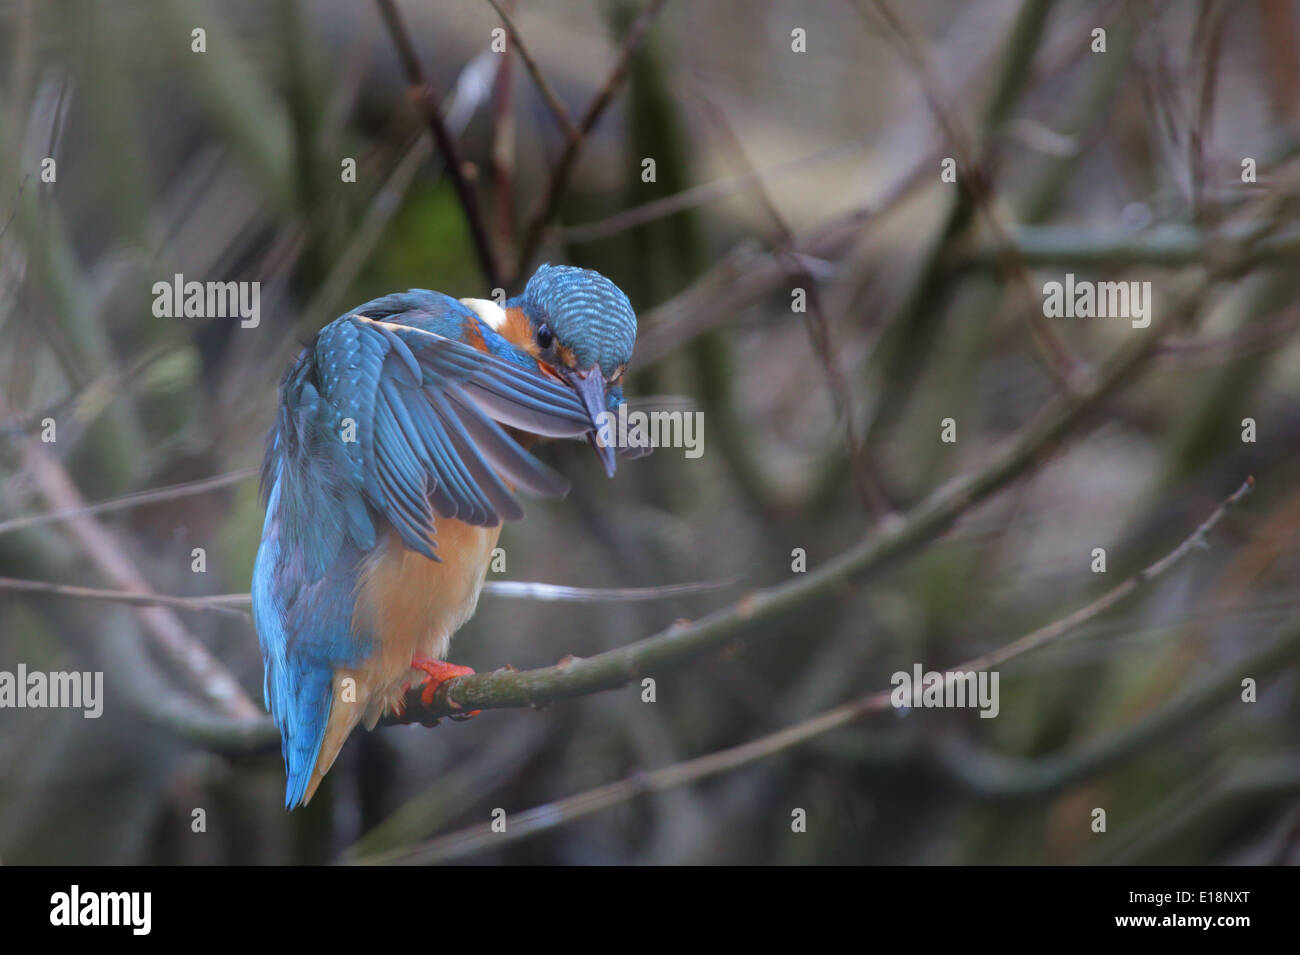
(428, 413)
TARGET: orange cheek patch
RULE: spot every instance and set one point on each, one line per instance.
(518, 330)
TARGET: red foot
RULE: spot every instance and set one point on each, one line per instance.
(440, 671)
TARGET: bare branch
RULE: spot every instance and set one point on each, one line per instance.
(503, 162)
(126, 501)
(1064, 366)
(424, 95)
(122, 596)
(1170, 246)
(559, 178)
(865, 482)
(553, 102)
(697, 196)
(522, 825)
(17, 198)
(234, 604)
(182, 648)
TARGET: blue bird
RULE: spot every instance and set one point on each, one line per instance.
(396, 454)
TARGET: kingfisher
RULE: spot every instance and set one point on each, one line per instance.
(401, 440)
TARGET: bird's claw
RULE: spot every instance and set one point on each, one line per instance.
(440, 671)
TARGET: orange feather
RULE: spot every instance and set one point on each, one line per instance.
(409, 605)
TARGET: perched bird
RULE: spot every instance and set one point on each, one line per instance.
(394, 459)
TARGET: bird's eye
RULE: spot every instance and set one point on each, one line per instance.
(545, 338)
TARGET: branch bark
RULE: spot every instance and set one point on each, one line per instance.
(427, 99)
(559, 179)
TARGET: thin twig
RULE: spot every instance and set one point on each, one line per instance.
(1060, 362)
(424, 95)
(1113, 596)
(14, 211)
(559, 178)
(384, 205)
(234, 604)
(742, 277)
(1208, 44)
(503, 161)
(1169, 246)
(542, 818)
(697, 196)
(868, 487)
(553, 102)
(127, 501)
(1209, 352)
(122, 596)
(532, 590)
(746, 275)
(908, 334)
(987, 775)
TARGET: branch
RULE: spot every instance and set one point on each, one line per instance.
(705, 193)
(868, 488)
(424, 95)
(1172, 246)
(743, 277)
(746, 275)
(553, 102)
(559, 178)
(1208, 352)
(17, 199)
(908, 334)
(126, 501)
(125, 663)
(993, 776)
(1061, 364)
(383, 205)
(234, 604)
(503, 161)
(183, 649)
(1103, 603)
(220, 605)
(1226, 796)
(542, 818)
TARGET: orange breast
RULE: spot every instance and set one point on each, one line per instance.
(408, 605)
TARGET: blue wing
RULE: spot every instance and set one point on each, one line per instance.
(385, 418)
(416, 416)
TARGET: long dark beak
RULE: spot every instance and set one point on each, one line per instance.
(590, 386)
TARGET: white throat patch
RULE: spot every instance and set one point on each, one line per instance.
(488, 310)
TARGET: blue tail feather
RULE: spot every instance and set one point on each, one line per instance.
(304, 710)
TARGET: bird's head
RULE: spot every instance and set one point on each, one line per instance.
(581, 329)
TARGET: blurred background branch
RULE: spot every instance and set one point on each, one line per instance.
(711, 159)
